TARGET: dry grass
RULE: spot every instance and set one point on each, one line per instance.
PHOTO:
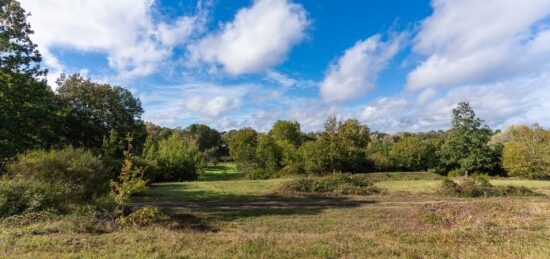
(390, 225)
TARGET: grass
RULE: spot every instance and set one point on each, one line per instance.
(240, 219)
(220, 172)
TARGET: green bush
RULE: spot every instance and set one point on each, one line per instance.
(479, 186)
(177, 159)
(337, 184)
(77, 172)
(23, 196)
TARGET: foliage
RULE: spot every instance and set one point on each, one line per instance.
(205, 137)
(177, 159)
(527, 152)
(77, 172)
(94, 110)
(144, 217)
(286, 131)
(336, 183)
(413, 154)
(26, 195)
(380, 162)
(29, 115)
(130, 181)
(19, 54)
(242, 146)
(268, 154)
(466, 147)
(478, 186)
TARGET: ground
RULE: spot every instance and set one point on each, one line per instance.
(223, 217)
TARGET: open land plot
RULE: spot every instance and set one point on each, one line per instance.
(249, 219)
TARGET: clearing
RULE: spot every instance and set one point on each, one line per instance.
(223, 217)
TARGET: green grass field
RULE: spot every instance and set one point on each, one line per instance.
(235, 218)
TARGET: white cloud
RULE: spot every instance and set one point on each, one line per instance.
(258, 38)
(199, 101)
(211, 106)
(473, 41)
(281, 78)
(124, 30)
(519, 100)
(356, 71)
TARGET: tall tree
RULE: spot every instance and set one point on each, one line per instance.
(96, 109)
(466, 147)
(19, 53)
(28, 111)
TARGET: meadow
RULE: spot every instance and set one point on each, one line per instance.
(223, 216)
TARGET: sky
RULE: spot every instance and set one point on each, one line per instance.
(395, 65)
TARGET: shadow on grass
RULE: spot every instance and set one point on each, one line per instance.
(196, 214)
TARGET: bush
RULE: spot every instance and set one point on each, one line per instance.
(478, 186)
(380, 162)
(177, 159)
(23, 196)
(337, 184)
(76, 172)
(144, 217)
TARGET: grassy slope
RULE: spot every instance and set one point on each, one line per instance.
(399, 223)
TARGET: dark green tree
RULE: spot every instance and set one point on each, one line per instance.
(466, 147)
(28, 112)
(19, 53)
(205, 136)
(94, 110)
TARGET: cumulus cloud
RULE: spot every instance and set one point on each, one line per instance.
(520, 100)
(258, 38)
(200, 101)
(355, 73)
(474, 41)
(124, 30)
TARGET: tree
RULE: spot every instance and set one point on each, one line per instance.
(286, 131)
(19, 54)
(413, 154)
(466, 147)
(268, 154)
(242, 146)
(96, 109)
(28, 112)
(205, 137)
(527, 151)
(178, 159)
(288, 137)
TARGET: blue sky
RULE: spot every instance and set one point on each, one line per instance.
(392, 64)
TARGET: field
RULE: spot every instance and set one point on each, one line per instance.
(224, 217)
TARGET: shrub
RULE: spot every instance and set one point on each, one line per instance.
(23, 196)
(144, 217)
(477, 186)
(77, 172)
(177, 159)
(337, 184)
(380, 162)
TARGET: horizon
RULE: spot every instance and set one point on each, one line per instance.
(395, 66)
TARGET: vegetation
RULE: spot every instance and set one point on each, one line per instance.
(336, 184)
(479, 186)
(81, 175)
